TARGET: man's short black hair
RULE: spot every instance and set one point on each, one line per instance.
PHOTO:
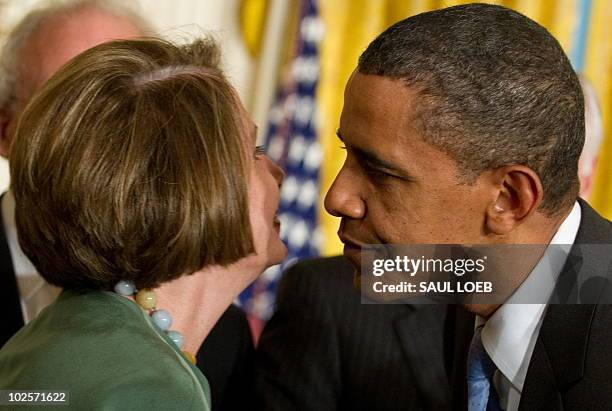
(494, 88)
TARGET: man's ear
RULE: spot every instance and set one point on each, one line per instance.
(6, 117)
(518, 195)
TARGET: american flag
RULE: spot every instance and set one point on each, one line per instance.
(291, 142)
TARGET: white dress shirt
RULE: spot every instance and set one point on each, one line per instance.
(510, 334)
(34, 292)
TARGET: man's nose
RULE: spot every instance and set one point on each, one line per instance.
(343, 198)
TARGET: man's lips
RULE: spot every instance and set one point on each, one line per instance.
(349, 242)
(352, 251)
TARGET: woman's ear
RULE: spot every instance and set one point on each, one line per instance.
(518, 195)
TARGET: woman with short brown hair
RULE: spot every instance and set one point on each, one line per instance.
(139, 190)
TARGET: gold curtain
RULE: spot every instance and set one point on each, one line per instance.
(252, 16)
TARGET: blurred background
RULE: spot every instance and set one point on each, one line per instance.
(289, 61)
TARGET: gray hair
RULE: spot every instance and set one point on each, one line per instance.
(23, 31)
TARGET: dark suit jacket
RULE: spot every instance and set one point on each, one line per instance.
(324, 350)
(226, 358)
(571, 365)
(10, 304)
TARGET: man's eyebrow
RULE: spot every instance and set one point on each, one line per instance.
(378, 163)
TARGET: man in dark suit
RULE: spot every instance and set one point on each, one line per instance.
(464, 126)
(40, 44)
(324, 350)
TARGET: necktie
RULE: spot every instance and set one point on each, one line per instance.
(481, 393)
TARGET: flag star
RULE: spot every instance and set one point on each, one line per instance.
(313, 157)
(305, 69)
(298, 234)
(316, 240)
(307, 195)
(296, 151)
(276, 146)
(286, 222)
(312, 29)
(290, 190)
(276, 115)
(310, 70)
(303, 110)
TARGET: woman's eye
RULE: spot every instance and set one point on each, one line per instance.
(259, 151)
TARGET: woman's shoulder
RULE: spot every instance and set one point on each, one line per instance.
(147, 390)
(103, 350)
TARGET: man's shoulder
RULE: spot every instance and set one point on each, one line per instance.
(571, 356)
(329, 274)
(594, 229)
(330, 282)
(326, 269)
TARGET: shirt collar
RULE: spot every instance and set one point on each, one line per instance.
(510, 334)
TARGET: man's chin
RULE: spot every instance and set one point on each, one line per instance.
(353, 254)
(355, 260)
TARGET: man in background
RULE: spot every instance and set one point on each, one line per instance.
(38, 46)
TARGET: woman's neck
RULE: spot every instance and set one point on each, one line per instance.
(197, 301)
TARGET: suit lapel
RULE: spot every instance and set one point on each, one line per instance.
(421, 334)
(557, 363)
(9, 293)
(559, 355)
(560, 351)
(461, 330)
(540, 388)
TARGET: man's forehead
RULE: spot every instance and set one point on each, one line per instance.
(379, 109)
(381, 118)
(375, 88)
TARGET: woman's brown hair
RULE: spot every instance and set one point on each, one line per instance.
(131, 164)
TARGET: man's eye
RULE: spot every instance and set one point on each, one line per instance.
(375, 173)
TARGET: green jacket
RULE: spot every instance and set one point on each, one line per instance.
(105, 350)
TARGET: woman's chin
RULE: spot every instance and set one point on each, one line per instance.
(278, 253)
(275, 253)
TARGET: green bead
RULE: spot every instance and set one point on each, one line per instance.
(146, 299)
(192, 359)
